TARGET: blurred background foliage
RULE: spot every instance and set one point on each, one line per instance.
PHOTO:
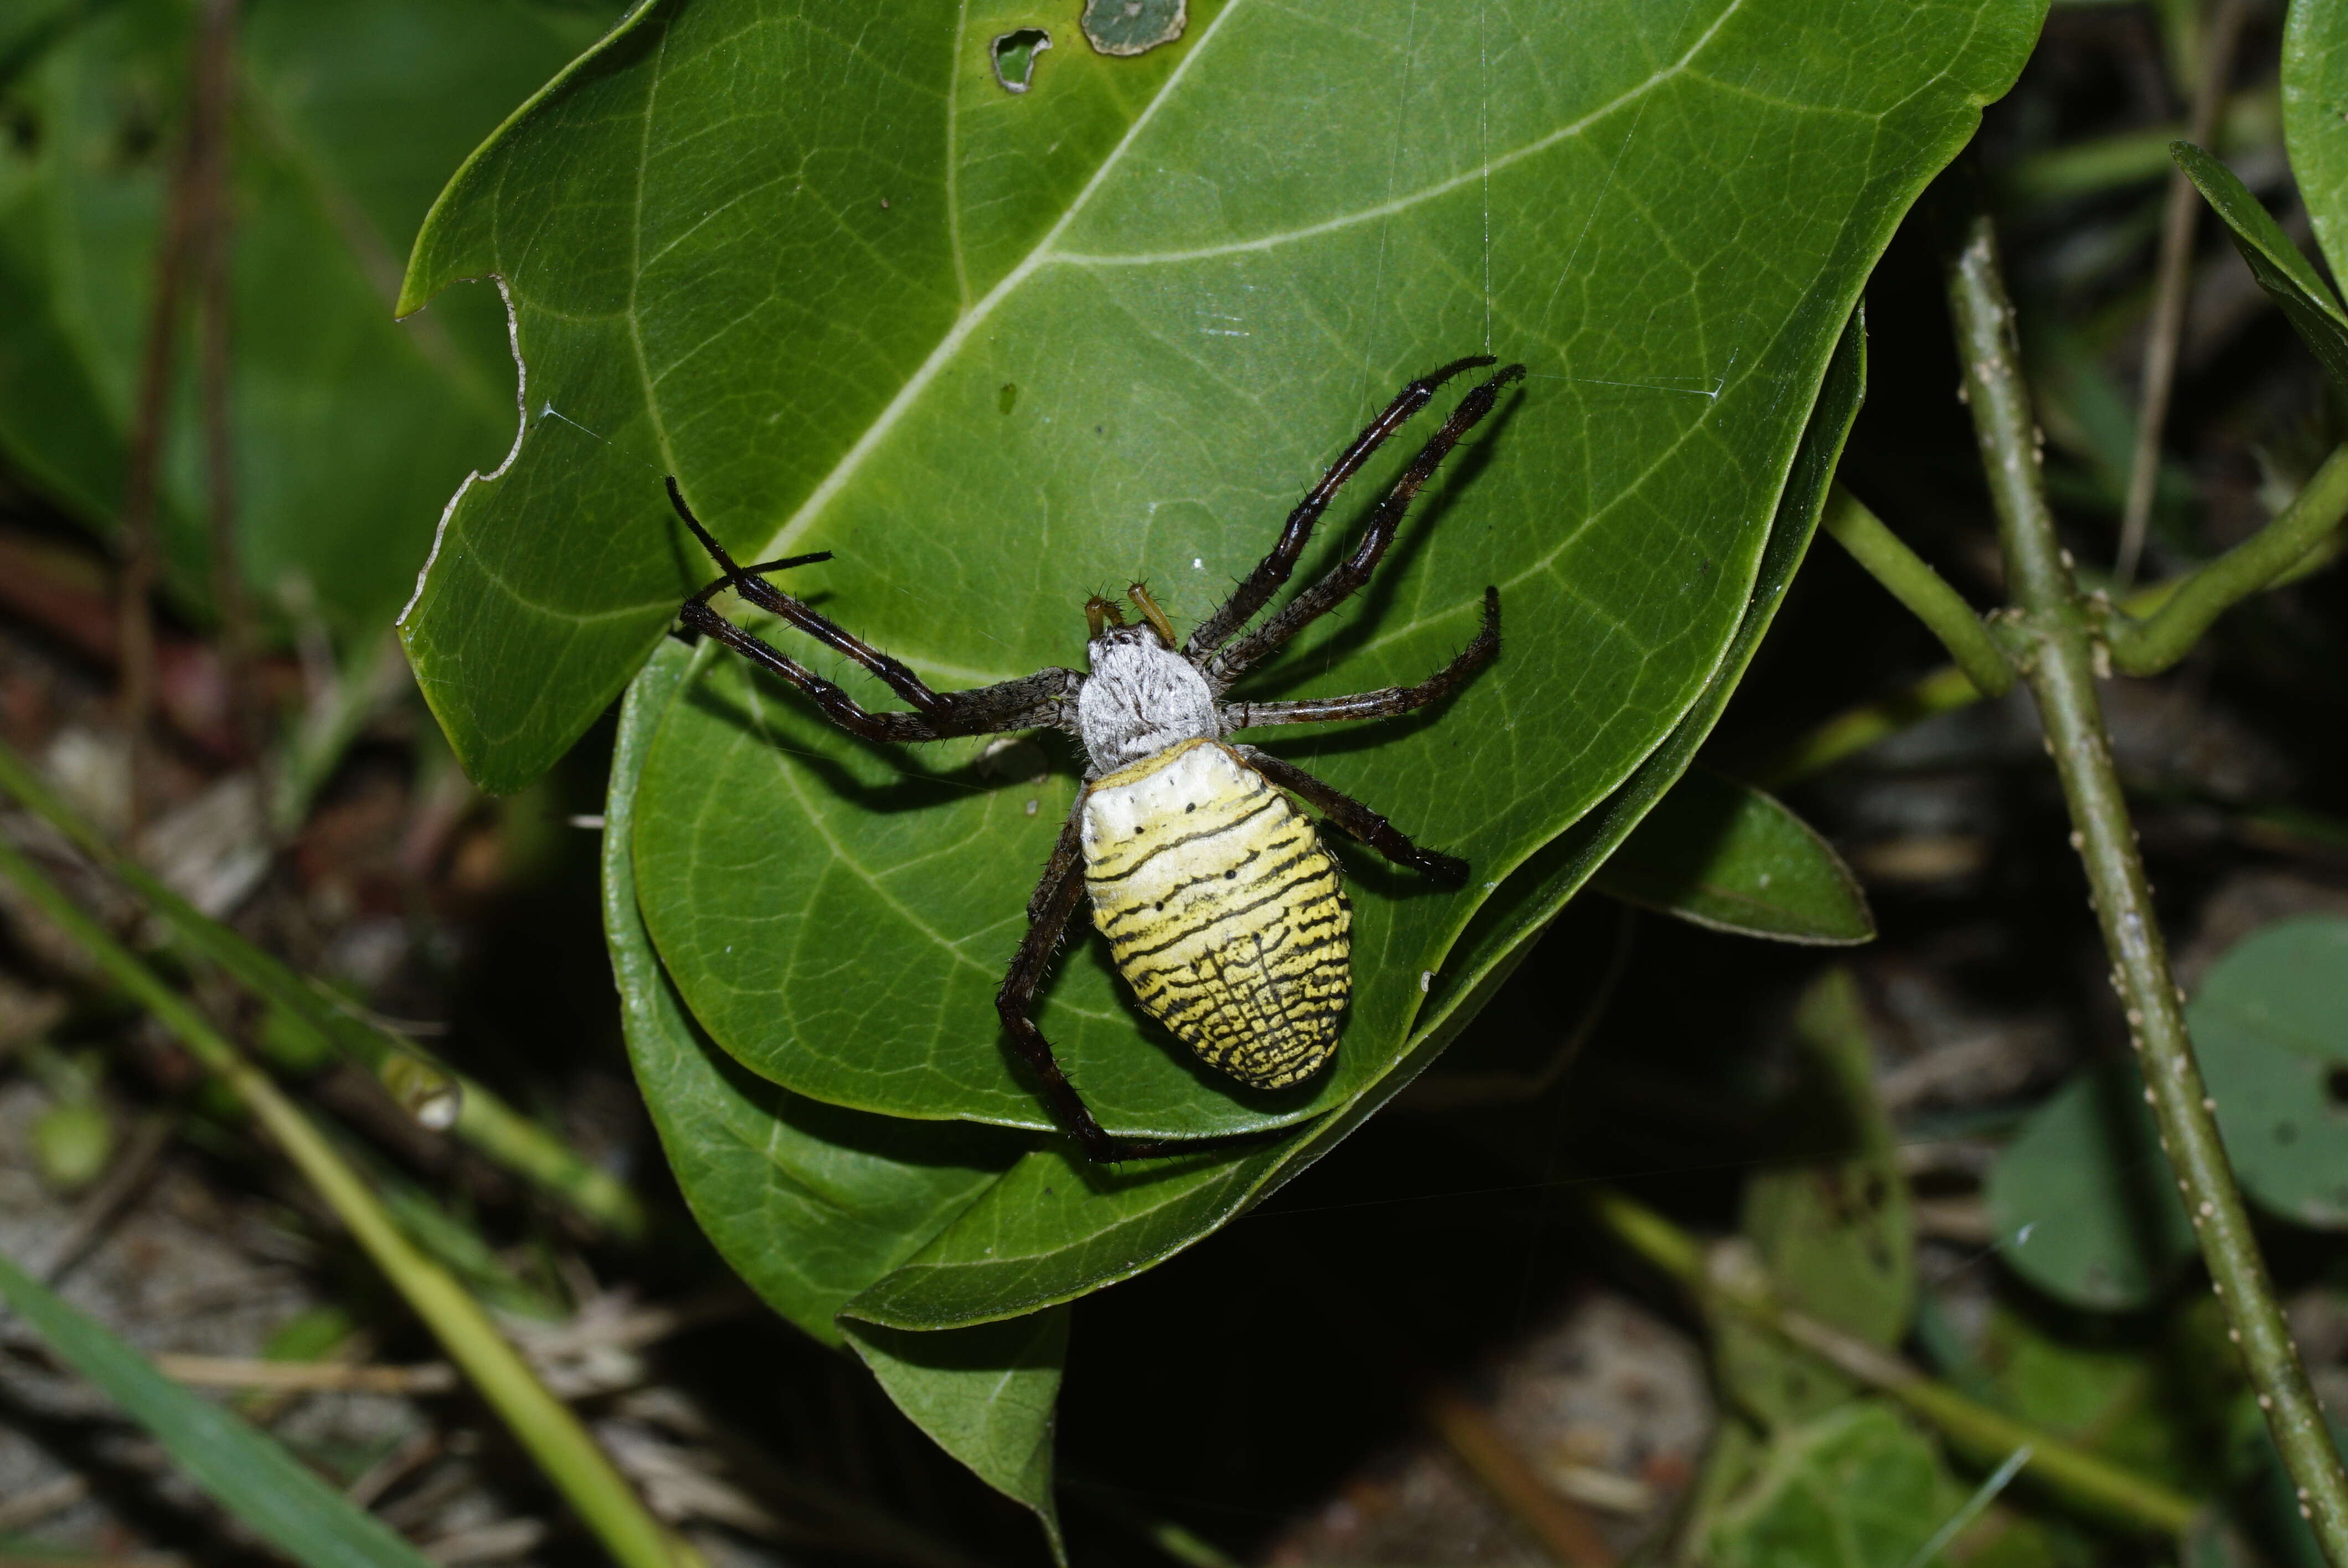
(1495, 1343)
(352, 429)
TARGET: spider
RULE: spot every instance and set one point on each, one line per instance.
(1222, 909)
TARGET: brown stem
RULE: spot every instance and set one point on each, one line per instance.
(2172, 276)
(215, 88)
(188, 217)
(1563, 1529)
(142, 466)
(1730, 1277)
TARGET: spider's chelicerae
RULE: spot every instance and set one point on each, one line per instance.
(1224, 912)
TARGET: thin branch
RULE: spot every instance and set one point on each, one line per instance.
(143, 463)
(2196, 600)
(2060, 665)
(1855, 729)
(2147, 632)
(1560, 1526)
(2172, 279)
(306, 1376)
(28, 1507)
(543, 1424)
(2253, 119)
(214, 230)
(1912, 582)
(1734, 1281)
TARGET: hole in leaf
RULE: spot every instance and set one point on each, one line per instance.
(2335, 1087)
(138, 138)
(1014, 55)
(1133, 27)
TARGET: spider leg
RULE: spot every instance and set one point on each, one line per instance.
(830, 700)
(1348, 575)
(1271, 572)
(772, 600)
(1031, 701)
(1357, 819)
(1387, 701)
(1049, 911)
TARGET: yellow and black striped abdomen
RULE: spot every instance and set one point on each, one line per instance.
(1223, 911)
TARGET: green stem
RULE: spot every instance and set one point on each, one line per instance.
(542, 1423)
(2061, 668)
(2143, 637)
(2148, 646)
(1912, 582)
(2252, 120)
(1988, 1435)
(425, 1088)
(1854, 730)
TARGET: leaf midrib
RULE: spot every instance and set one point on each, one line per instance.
(1043, 252)
(975, 316)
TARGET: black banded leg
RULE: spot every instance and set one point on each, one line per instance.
(1358, 820)
(772, 600)
(1347, 576)
(1273, 571)
(1048, 913)
(1387, 701)
(1030, 702)
(830, 701)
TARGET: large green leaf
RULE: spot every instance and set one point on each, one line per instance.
(1001, 350)
(244, 1468)
(988, 1395)
(1055, 1227)
(2270, 1030)
(837, 915)
(809, 1203)
(1722, 854)
(350, 428)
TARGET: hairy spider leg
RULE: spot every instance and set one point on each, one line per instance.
(1347, 576)
(1357, 820)
(773, 601)
(1054, 905)
(1387, 701)
(1271, 573)
(1027, 703)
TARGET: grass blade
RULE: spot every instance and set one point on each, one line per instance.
(430, 1091)
(543, 1424)
(245, 1470)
